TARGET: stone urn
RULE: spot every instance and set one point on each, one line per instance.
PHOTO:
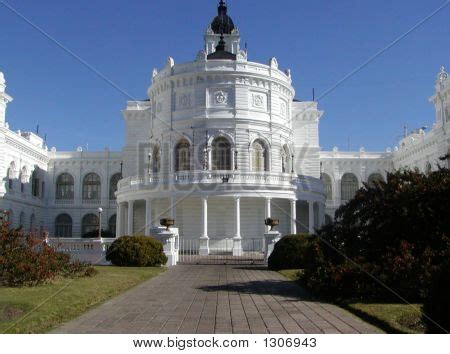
(272, 223)
(167, 223)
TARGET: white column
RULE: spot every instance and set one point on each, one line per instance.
(237, 211)
(130, 217)
(119, 217)
(237, 241)
(204, 239)
(268, 211)
(311, 217)
(148, 216)
(293, 217)
(205, 216)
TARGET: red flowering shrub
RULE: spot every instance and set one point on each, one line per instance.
(391, 238)
(28, 260)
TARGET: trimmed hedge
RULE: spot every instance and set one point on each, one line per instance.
(292, 252)
(136, 251)
(436, 307)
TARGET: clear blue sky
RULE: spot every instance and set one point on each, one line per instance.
(321, 41)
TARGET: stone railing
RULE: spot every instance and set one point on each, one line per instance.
(84, 250)
(210, 177)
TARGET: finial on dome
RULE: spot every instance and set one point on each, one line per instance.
(222, 22)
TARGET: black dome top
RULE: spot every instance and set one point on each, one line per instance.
(222, 23)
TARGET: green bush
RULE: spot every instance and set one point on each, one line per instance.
(292, 252)
(436, 307)
(28, 260)
(387, 241)
(136, 251)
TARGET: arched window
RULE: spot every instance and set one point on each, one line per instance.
(328, 186)
(113, 185)
(89, 224)
(349, 186)
(286, 160)
(23, 178)
(22, 219)
(63, 226)
(374, 179)
(91, 187)
(428, 167)
(156, 159)
(32, 223)
(65, 187)
(11, 174)
(35, 183)
(260, 156)
(183, 156)
(112, 224)
(221, 154)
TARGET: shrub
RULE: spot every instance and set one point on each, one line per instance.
(436, 306)
(136, 251)
(390, 236)
(292, 252)
(28, 260)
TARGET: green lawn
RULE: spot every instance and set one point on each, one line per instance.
(42, 308)
(390, 318)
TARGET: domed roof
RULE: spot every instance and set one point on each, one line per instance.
(222, 23)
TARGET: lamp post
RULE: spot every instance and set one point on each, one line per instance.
(100, 211)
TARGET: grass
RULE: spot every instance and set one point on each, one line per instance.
(42, 308)
(390, 318)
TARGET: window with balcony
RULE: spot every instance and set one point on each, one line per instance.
(91, 187)
(221, 154)
(89, 224)
(113, 185)
(63, 226)
(183, 156)
(286, 160)
(65, 187)
(349, 186)
(35, 183)
(23, 179)
(328, 186)
(260, 156)
(11, 174)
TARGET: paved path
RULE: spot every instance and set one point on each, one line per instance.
(216, 299)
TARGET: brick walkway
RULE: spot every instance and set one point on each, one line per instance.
(216, 299)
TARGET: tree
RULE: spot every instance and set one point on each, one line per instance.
(397, 231)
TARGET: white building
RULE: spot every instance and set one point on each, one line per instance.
(220, 145)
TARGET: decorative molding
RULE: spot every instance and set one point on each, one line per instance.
(221, 97)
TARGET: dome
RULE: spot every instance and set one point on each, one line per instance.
(222, 23)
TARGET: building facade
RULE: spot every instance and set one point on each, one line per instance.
(220, 144)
